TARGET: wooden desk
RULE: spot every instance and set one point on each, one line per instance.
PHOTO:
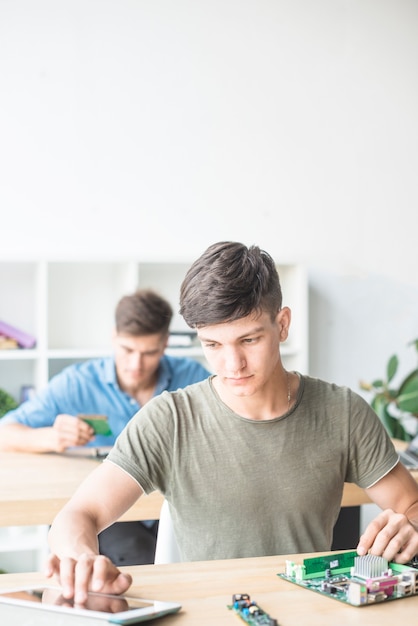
(34, 487)
(205, 588)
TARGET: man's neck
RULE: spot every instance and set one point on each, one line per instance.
(142, 396)
(143, 393)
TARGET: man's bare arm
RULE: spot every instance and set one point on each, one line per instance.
(67, 431)
(99, 501)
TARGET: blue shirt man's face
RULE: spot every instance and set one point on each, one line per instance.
(137, 359)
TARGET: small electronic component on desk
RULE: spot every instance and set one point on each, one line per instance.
(250, 612)
(353, 579)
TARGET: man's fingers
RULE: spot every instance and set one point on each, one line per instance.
(121, 583)
(67, 576)
(52, 567)
(389, 535)
(72, 431)
(107, 578)
(406, 553)
(91, 572)
(368, 538)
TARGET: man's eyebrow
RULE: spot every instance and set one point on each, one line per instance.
(202, 338)
(253, 331)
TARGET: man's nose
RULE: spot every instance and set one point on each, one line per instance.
(136, 359)
(234, 361)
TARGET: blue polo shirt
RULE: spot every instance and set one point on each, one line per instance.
(92, 387)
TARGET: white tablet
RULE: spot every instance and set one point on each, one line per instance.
(110, 608)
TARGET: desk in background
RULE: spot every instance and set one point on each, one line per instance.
(205, 588)
(34, 487)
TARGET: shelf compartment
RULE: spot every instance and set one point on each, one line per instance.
(81, 301)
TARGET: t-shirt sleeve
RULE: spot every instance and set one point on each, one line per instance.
(371, 451)
(144, 448)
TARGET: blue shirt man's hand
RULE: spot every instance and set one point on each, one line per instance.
(69, 431)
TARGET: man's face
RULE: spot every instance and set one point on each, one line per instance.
(137, 359)
(245, 353)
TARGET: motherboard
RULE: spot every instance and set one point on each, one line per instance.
(353, 579)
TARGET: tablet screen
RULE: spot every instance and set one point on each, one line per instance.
(120, 609)
(95, 601)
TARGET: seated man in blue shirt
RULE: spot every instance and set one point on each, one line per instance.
(116, 387)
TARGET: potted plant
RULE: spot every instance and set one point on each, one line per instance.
(396, 405)
(7, 403)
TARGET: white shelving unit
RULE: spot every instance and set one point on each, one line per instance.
(69, 305)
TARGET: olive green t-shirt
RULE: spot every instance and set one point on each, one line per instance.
(239, 487)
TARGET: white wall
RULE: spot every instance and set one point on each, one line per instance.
(156, 127)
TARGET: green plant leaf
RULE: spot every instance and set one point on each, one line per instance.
(392, 367)
(408, 394)
(392, 425)
(399, 432)
(378, 384)
(395, 404)
(414, 343)
(7, 403)
(380, 404)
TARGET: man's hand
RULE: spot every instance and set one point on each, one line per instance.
(70, 431)
(390, 535)
(90, 572)
(67, 431)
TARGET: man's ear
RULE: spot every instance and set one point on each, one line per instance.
(284, 317)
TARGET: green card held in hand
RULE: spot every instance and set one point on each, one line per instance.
(99, 423)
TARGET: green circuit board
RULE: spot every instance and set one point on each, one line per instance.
(250, 612)
(353, 579)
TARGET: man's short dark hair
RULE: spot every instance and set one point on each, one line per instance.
(227, 282)
(143, 313)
